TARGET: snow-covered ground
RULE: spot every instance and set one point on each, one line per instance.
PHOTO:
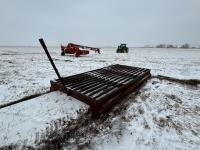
(23, 122)
(164, 115)
(26, 70)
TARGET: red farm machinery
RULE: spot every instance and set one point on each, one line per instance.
(77, 50)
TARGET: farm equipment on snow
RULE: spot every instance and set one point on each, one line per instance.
(102, 88)
(122, 49)
(77, 50)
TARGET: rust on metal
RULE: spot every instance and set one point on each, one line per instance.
(104, 87)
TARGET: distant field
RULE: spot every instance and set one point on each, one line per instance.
(26, 70)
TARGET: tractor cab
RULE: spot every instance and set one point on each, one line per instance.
(122, 48)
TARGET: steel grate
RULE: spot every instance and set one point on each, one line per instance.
(102, 88)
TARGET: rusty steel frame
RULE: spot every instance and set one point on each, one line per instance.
(102, 88)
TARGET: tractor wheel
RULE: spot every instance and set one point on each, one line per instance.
(77, 54)
(62, 53)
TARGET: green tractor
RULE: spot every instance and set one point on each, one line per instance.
(122, 49)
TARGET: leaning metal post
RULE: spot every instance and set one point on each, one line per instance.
(53, 65)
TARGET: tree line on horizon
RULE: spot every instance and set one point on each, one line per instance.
(185, 46)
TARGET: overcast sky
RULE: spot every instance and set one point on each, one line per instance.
(99, 22)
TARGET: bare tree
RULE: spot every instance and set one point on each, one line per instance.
(186, 45)
(161, 46)
(171, 46)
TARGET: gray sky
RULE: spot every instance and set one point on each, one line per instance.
(99, 22)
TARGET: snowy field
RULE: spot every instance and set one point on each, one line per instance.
(164, 115)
